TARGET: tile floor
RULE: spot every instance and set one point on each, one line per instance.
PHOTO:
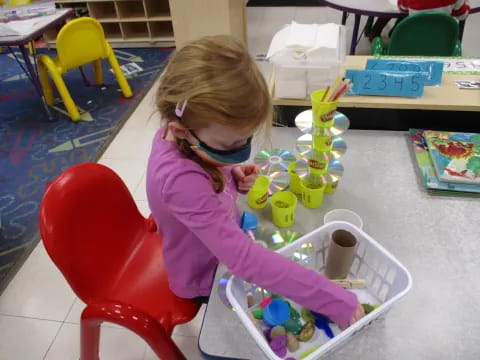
(39, 314)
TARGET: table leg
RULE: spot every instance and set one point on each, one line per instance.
(35, 80)
(344, 17)
(461, 27)
(356, 26)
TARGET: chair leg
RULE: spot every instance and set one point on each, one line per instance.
(64, 94)
(97, 68)
(140, 323)
(127, 92)
(45, 82)
(89, 339)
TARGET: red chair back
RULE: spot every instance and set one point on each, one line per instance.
(89, 205)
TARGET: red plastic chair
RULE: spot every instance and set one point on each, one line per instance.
(112, 258)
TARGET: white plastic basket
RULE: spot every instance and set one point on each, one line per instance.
(387, 282)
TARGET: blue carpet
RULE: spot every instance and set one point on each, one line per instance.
(34, 150)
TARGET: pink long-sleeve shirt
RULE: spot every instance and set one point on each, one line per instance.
(201, 228)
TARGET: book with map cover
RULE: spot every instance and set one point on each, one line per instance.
(427, 169)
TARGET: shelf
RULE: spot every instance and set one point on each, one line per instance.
(135, 30)
(112, 31)
(157, 8)
(130, 9)
(161, 29)
(103, 11)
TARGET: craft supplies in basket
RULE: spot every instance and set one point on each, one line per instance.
(387, 281)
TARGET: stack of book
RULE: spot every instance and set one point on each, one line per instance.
(448, 161)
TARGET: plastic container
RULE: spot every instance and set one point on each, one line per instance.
(294, 179)
(323, 111)
(387, 282)
(283, 204)
(312, 194)
(258, 194)
(298, 77)
(343, 215)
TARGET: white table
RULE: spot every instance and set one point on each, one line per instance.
(437, 238)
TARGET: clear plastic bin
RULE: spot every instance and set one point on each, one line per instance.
(387, 282)
(308, 71)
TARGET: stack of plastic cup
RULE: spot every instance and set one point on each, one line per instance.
(319, 170)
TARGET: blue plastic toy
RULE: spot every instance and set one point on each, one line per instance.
(248, 221)
(277, 312)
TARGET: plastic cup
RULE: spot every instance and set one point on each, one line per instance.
(276, 312)
(258, 194)
(318, 163)
(343, 215)
(312, 194)
(330, 188)
(322, 143)
(294, 179)
(283, 204)
(323, 111)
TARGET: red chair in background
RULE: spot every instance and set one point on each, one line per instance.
(112, 258)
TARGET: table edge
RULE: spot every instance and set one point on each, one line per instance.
(365, 12)
(26, 38)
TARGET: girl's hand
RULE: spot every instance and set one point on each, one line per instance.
(357, 315)
(245, 176)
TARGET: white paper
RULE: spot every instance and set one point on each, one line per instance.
(25, 27)
(6, 30)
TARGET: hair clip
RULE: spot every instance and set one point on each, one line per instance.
(179, 112)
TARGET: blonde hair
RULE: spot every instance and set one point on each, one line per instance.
(222, 85)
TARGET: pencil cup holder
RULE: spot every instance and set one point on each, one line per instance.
(283, 204)
(312, 194)
(294, 179)
(323, 111)
(258, 194)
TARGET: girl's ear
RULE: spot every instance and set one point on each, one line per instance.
(178, 130)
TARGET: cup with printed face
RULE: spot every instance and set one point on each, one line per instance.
(284, 204)
(294, 179)
(312, 194)
(258, 194)
(323, 111)
(340, 255)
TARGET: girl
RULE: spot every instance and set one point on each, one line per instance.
(213, 98)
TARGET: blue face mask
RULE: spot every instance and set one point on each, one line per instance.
(222, 157)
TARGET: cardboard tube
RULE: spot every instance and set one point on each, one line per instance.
(341, 253)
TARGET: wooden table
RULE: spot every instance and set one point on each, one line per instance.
(444, 97)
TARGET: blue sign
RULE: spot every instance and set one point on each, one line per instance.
(433, 68)
(386, 83)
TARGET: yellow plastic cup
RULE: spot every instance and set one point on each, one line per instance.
(294, 179)
(312, 194)
(318, 163)
(283, 205)
(258, 194)
(322, 143)
(323, 111)
(331, 187)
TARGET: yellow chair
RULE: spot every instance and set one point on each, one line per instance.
(79, 42)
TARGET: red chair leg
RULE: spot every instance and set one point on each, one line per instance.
(147, 327)
(89, 337)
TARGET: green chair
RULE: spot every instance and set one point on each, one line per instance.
(427, 33)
